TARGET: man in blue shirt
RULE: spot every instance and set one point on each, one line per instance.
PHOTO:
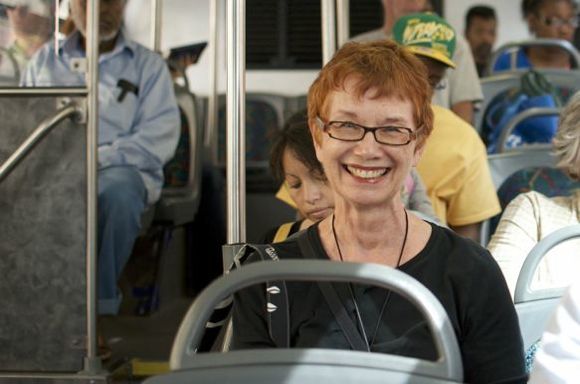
(138, 131)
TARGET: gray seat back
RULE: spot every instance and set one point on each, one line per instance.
(503, 165)
(535, 307)
(538, 42)
(296, 365)
(179, 204)
(567, 81)
(491, 87)
(520, 117)
(42, 242)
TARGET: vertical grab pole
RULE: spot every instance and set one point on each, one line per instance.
(56, 25)
(92, 361)
(156, 25)
(342, 21)
(212, 107)
(236, 130)
(328, 19)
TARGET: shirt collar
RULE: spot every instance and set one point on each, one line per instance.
(72, 45)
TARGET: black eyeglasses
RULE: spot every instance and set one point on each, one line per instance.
(349, 131)
(557, 22)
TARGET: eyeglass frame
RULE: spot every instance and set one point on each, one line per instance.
(412, 135)
(558, 22)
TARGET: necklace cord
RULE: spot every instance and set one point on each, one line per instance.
(388, 295)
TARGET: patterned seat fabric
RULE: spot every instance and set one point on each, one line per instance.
(176, 171)
(261, 125)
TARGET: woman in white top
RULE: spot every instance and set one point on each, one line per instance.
(558, 359)
(532, 216)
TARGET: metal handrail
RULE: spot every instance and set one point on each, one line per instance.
(191, 329)
(328, 22)
(235, 119)
(524, 291)
(563, 44)
(342, 21)
(43, 92)
(210, 140)
(156, 25)
(513, 123)
(32, 141)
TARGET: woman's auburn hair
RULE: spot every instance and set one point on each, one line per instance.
(387, 68)
(567, 139)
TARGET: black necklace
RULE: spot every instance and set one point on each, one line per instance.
(387, 296)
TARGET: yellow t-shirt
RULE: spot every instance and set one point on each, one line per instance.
(455, 172)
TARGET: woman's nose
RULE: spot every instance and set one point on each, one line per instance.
(312, 193)
(368, 145)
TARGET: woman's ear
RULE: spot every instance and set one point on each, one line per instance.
(418, 154)
(316, 133)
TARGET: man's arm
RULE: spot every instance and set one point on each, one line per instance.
(464, 109)
(155, 129)
(471, 231)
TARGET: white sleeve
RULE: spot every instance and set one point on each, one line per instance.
(514, 238)
(558, 360)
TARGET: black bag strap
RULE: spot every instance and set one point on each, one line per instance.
(277, 305)
(345, 322)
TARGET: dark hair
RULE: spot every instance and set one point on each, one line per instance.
(296, 137)
(532, 6)
(482, 11)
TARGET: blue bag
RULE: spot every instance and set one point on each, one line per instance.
(535, 91)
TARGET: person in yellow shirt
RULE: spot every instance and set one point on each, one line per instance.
(454, 164)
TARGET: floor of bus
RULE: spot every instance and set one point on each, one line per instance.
(144, 340)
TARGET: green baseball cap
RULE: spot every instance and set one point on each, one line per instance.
(428, 35)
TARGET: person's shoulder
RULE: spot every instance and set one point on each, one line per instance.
(461, 44)
(44, 53)
(502, 63)
(533, 198)
(464, 256)
(447, 123)
(144, 57)
(374, 35)
(143, 53)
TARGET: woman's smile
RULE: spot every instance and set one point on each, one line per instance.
(367, 174)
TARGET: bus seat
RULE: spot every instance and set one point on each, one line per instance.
(264, 116)
(504, 145)
(311, 365)
(491, 87)
(566, 82)
(513, 47)
(181, 194)
(503, 165)
(534, 307)
(42, 242)
(179, 201)
(295, 104)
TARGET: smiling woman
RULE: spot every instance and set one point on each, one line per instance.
(382, 89)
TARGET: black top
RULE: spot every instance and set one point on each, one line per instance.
(460, 273)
